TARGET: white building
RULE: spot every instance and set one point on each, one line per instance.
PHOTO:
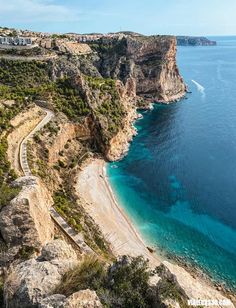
(15, 41)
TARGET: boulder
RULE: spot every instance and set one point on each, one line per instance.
(58, 249)
(53, 301)
(26, 220)
(31, 281)
(81, 299)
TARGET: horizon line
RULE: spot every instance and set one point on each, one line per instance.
(87, 33)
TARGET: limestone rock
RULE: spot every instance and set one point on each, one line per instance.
(81, 299)
(150, 60)
(170, 303)
(53, 301)
(119, 144)
(72, 48)
(26, 220)
(60, 254)
(58, 249)
(153, 280)
(165, 290)
(191, 287)
(67, 131)
(31, 281)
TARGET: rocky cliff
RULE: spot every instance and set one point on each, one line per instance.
(150, 60)
(32, 280)
(119, 73)
(26, 221)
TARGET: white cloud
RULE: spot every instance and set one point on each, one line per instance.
(30, 11)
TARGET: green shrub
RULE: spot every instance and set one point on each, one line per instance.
(73, 213)
(128, 283)
(123, 284)
(7, 193)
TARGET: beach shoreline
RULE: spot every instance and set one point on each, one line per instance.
(98, 199)
(94, 189)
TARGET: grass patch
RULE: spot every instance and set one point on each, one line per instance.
(90, 274)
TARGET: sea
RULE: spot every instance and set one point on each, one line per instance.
(177, 183)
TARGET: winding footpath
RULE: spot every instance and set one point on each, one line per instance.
(23, 147)
(57, 218)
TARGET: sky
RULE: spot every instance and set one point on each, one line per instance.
(177, 17)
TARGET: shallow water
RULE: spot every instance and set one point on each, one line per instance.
(178, 181)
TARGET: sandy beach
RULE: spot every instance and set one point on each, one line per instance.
(93, 187)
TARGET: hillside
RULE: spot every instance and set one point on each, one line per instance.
(63, 104)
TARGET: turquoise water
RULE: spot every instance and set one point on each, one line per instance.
(178, 181)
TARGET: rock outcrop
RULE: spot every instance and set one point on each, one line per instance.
(111, 133)
(150, 60)
(192, 287)
(31, 281)
(173, 286)
(26, 220)
(72, 48)
(81, 299)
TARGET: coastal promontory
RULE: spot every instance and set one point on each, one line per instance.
(194, 41)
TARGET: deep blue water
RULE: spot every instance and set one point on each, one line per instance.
(178, 181)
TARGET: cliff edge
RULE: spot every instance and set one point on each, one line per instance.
(149, 60)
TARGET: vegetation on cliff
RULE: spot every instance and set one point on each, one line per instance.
(109, 111)
(123, 284)
(31, 80)
(116, 46)
(67, 206)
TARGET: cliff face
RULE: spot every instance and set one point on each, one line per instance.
(29, 282)
(113, 111)
(119, 144)
(26, 221)
(151, 61)
(111, 80)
